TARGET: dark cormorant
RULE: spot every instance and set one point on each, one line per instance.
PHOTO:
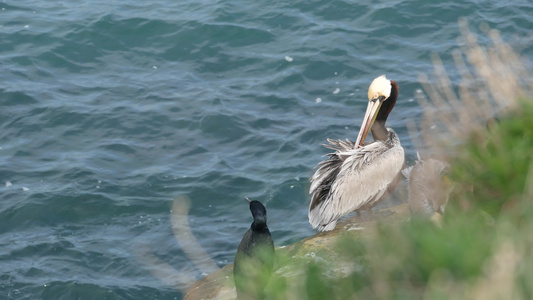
(255, 256)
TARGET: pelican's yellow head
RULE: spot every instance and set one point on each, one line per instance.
(379, 91)
(380, 87)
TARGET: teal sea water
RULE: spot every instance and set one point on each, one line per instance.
(109, 110)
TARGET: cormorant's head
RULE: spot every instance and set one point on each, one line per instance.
(259, 213)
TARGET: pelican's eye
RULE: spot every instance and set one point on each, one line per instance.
(377, 97)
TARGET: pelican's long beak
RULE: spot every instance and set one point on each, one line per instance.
(370, 116)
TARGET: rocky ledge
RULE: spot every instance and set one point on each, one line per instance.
(318, 248)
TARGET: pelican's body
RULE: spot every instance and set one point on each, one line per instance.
(428, 188)
(357, 175)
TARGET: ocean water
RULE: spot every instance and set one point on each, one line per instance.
(110, 110)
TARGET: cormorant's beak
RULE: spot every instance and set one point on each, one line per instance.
(247, 200)
(370, 116)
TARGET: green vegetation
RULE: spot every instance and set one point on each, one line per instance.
(493, 170)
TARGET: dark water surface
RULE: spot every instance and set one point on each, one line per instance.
(111, 109)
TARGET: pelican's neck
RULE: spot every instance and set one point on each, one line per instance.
(379, 131)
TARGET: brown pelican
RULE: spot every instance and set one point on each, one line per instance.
(428, 188)
(357, 176)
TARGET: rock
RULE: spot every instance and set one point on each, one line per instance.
(317, 248)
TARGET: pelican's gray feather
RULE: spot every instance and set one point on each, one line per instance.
(351, 178)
